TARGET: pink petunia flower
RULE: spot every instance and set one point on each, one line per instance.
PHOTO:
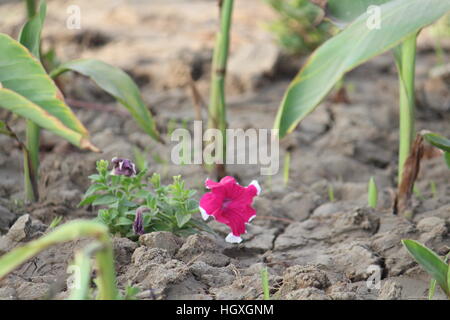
(231, 204)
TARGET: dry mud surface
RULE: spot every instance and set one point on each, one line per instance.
(314, 248)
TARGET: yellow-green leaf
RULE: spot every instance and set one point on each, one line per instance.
(18, 104)
(24, 74)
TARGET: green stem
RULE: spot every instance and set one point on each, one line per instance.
(405, 56)
(31, 8)
(31, 156)
(217, 109)
(31, 161)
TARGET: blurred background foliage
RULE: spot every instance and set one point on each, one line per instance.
(299, 28)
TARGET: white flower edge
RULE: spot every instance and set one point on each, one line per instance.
(205, 215)
(231, 238)
(256, 185)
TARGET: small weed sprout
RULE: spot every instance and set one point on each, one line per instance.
(331, 196)
(126, 199)
(287, 165)
(372, 193)
(265, 283)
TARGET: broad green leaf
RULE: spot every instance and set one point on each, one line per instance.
(438, 141)
(345, 11)
(349, 49)
(430, 262)
(24, 74)
(118, 84)
(30, 35)
(17, 104)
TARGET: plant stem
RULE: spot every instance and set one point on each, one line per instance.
(31, 161)
(31, 156)
(405, 56)
(31, 8)
(217, 110)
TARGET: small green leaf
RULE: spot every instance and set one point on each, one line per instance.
(104, 200)
(182, 219)
(94, 188)
(88, 200)
(430, 262)
(438, 141)
(30, 35)
(122, 221)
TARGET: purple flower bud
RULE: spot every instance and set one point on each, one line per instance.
(123, 167)
(138, 225)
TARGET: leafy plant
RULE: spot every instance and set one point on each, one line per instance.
(436, 267)
(299, 28)
(27, 90)
(101, 249)
(400, 21)
(126, 201)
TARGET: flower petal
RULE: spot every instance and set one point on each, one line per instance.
(205, 215)
(255, 184)
(211, 203)
(231, 238)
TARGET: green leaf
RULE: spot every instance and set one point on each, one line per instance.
(104, 200)
(23, 107)
(88, 200)
(182, 219)
(349, 49)
(122, 221)
(94, 188)
(438, 141)
(345, 11)
(447, 159)
(431, 289)
(23, 74)
(30, 35)
(118, 84)
(430, 262)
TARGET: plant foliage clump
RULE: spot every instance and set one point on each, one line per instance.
(299, 28)
(128, 202)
